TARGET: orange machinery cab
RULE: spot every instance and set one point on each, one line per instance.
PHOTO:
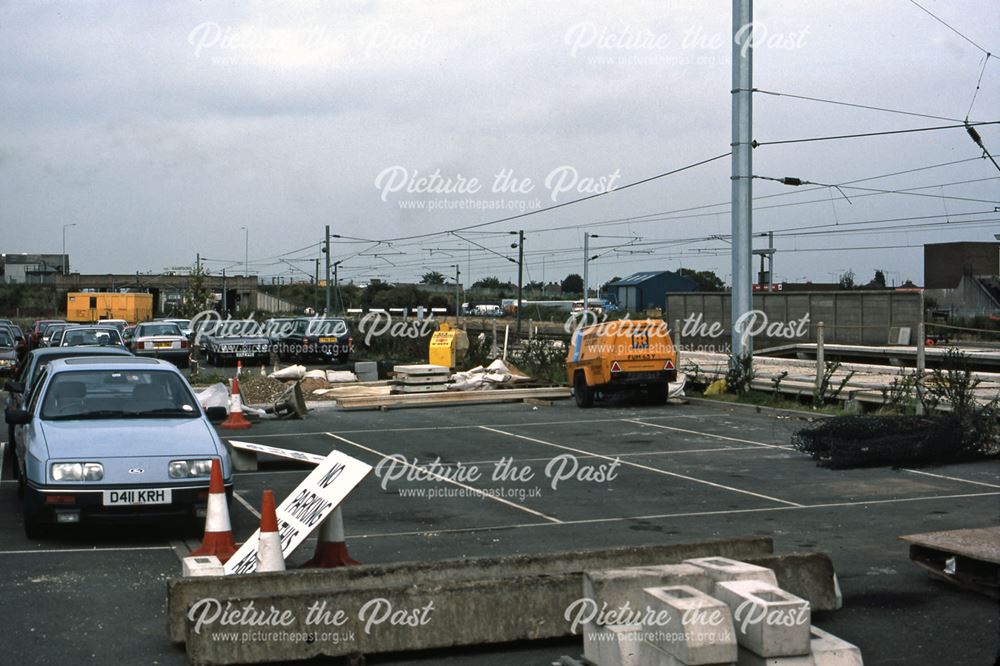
(620, 355)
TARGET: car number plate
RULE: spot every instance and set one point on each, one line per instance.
(244, 354)
(137, 497)
(328, 339)
(163, 345)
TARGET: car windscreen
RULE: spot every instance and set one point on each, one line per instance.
(6, 339)
(117, 394)
(86, 337)
(157, 329)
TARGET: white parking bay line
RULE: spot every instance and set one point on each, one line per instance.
(667, 516)
(110, 549)
(643, 467)
(476, 491)
(952, 478)
(708, 434)
(246, 504)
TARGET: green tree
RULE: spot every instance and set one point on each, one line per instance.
(706, 280)
(432, 278)
(572, 284)
(492, 283)
(846, 280)
(196, 297)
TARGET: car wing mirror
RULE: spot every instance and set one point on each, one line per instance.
(216, 413)
(17, 416)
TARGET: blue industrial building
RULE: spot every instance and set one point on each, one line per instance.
(648, 289)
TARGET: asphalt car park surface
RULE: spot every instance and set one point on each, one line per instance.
(679, 473)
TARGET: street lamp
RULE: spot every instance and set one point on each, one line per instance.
(65, 260)
(246, 252)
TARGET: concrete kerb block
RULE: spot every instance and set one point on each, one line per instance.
(725, 569)
(828, 650)
(769, 621)
(612, 645)
(690, 625)
(618, 587)
(202, 565)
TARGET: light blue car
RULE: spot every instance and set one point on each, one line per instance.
(113, 438)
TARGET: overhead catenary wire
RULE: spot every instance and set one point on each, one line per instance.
(951, 27)
(857, 106)
(836, 137)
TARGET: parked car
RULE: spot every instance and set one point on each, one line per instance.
(311, 338)
(161, 340)
(54, 336)
(183, 324)
(38, 329)
(8, 352)
(118, 324)
(121, 438)
(19, 388)
(51, 330)
(20, 341)
(91, 336)
(236, 341)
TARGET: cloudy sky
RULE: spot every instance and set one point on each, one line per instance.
(163, 130)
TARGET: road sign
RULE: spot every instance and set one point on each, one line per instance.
(306, 507)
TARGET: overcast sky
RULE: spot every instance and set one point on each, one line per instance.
(161, 129)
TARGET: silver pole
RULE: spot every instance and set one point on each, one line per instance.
(921, 367)
(770, 261)
(586, 271)
(742, 169)
(326, 251)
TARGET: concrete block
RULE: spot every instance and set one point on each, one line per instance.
(612, 645)
(243, 460)
(690, 625)
(806, 575)
(366, 371)
(748, 658)
(204, 565)
(828, 650)
(725, 569)
(769, 621)
(650, 655)
(618, 587)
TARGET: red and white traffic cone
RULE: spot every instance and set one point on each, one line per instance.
(239, 367)
(269, 557)
(331, 547)
(218, 538)
(236, 420)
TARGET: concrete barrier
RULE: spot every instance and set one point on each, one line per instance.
(806, 575)
(512, 574)
(618, 587)
(613, 645)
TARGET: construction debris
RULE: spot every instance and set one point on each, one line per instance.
(257, 390)
(452, 398)
(480, 378)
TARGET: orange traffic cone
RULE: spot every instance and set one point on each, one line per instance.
(331, 546)
(218, 539)
(239, 367)
(269, 556)
(236, 420)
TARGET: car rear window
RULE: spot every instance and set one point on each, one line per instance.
(157, 329)
(6, 339)
(116, 394)
(90, 336)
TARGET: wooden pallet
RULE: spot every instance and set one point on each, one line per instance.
(967, 558)
(452, 398)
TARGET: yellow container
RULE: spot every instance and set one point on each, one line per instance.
(89, 307)
(448, 346)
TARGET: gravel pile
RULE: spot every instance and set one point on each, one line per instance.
(258, 390)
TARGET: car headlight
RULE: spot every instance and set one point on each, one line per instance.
(4, 362)
(185, 469)
(90, 471)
